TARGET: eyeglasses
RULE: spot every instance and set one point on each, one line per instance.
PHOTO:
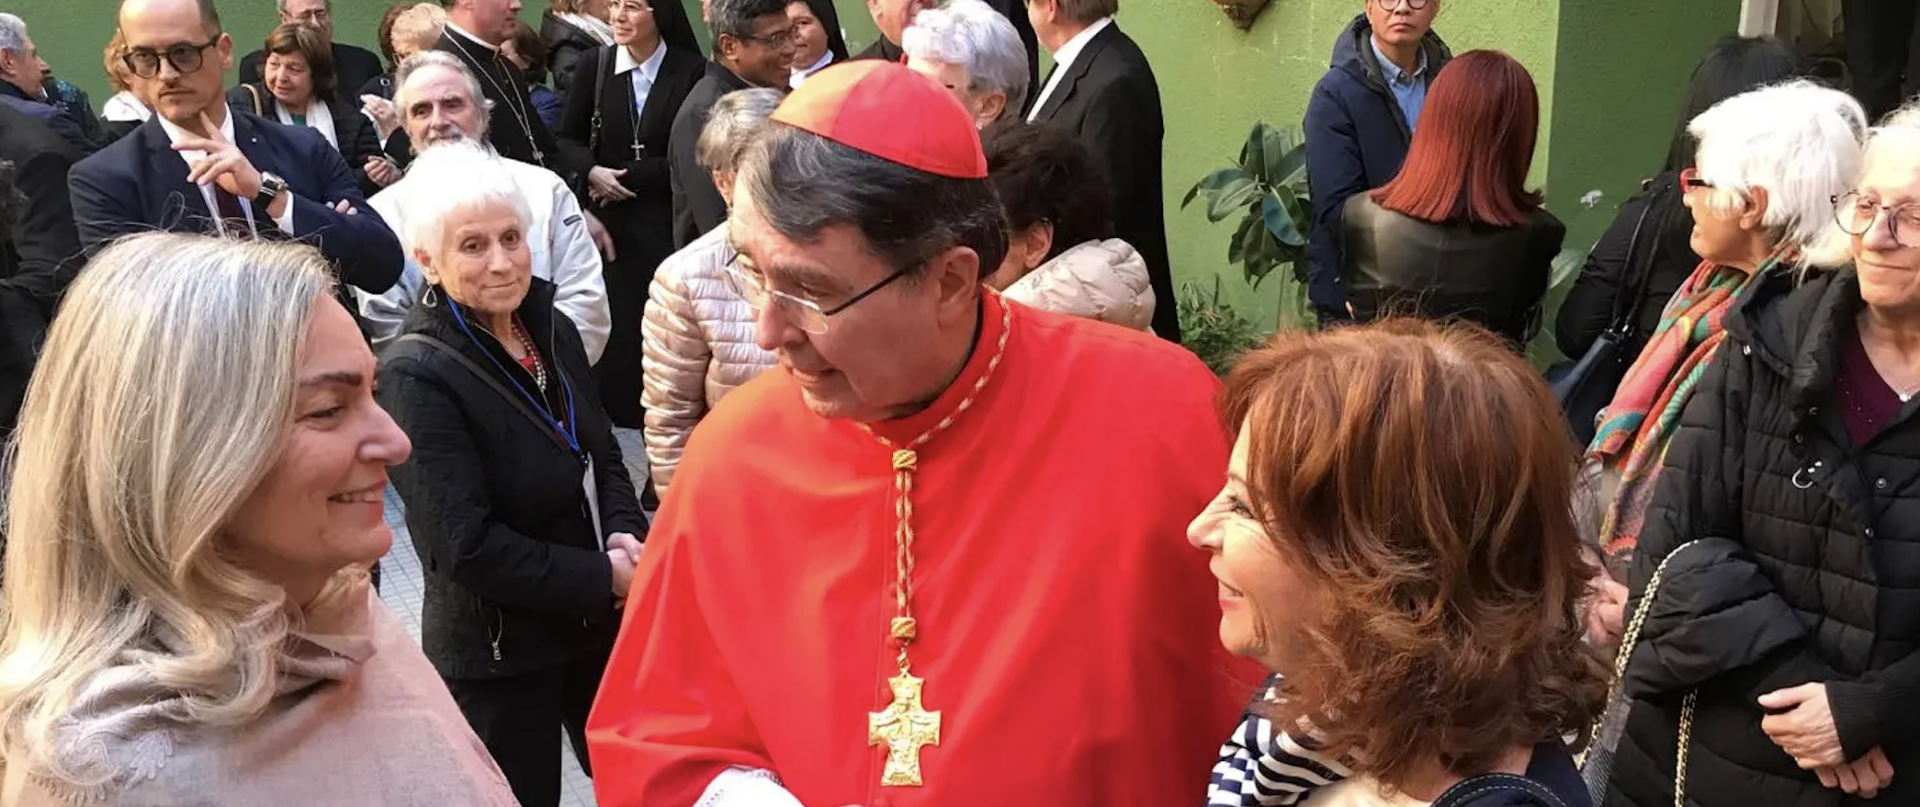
(776, 40)
(1414, 5)
(145, 62)
(1690, 180)
(314, 16)
(1856, 215)
(809, 315)
(629, 8)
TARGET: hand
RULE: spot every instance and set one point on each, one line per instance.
(626, 541)
(604, 184)
(1605, 606)
(598, 232)
(1864, 777)
(345, 208)
(622, 571)
(224, 165)
(382, 171)
(1805, 729)
(386, 117)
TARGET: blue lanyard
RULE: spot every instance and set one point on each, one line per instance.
(567, 430)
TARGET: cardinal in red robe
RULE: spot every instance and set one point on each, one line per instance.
(979, 596)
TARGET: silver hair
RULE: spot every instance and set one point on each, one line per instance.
(434, 58)
(971, 34)
(459, 177)
(737, 119)
(1799, 141)
(281, 5)
(13, 33)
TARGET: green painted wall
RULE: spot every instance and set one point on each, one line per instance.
(1610, 74)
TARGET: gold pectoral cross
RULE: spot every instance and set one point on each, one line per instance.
(904, 727)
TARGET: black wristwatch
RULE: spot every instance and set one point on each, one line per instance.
(271, 186)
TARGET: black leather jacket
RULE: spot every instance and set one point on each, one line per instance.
(1492, 276)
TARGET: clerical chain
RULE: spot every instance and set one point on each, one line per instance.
(905, 725)
(511, 98)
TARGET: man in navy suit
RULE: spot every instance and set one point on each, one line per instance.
(198, 166)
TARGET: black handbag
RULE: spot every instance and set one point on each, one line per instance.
(1585, 387)
(1468, 791)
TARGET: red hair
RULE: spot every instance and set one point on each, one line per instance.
(1470, 155)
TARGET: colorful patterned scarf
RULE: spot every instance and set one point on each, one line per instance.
(1632, 441)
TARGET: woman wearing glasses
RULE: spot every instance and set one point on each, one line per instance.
(517, 498)
(699, 331)
(616, 118)
(1788, 619)
(1768, 166)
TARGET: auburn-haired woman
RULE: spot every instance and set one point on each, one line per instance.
(1456, 234)
(187, 616)
(1394, 542)
(297, 89)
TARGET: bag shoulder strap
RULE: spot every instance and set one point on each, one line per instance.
(258, 109)
(601, 69)
(1467, 791)
(1638, 276)
(481, 373)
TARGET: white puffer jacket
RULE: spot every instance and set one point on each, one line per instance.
(698, 345)
(1099, 280)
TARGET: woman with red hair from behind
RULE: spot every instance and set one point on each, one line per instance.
(1456, 234)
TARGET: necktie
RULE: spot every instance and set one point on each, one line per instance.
(232, 217)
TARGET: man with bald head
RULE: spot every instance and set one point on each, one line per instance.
(199, 166)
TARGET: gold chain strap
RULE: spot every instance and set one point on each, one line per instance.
(905, 461)
(1628, 639)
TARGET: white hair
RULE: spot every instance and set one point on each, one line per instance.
(13, 33)
(163, 397)
(736, 120)
(971, 34)
(424, 60)
(1799, 141)
(1898, 135)
(458, 177)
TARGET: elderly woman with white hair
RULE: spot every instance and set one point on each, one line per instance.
(517, 499)
(1768, 166)
(976, 53)
(698, 332)
(190, 517)
(1782, 639)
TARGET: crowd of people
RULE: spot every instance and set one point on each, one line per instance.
(787, 426)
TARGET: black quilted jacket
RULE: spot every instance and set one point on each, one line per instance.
(1804, 567)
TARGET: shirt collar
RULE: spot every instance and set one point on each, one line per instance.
(1392, 71)
(470, 37)
(623, 62)
(826, 58)
(175, 134)
(1071, 50)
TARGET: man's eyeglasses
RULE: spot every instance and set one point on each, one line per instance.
(145, 62)
(807, 314)
(1415, 5)
(1856, 215)
(312, 17)
(776, 40)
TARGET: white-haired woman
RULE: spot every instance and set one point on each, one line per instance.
(188, 618)
(698, 333)
(1789, 521)
(976, 53)
(1761, 193)
(517, 498)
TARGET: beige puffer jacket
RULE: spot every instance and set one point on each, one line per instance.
(1099, 280)
(698, 345)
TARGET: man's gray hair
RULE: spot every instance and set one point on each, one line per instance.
(971, 34)
(732, 127)
(13, 33)
(802, 183)
(282, 4)
(735, 17)
(1801, 142)
(435, 58)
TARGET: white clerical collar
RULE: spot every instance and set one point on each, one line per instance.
(1070, 51)
(175, 134)
(470, 37)
(801, 74)
(623, 62)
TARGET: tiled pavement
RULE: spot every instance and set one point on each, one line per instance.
(400, 588)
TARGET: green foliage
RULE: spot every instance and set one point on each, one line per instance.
(1213, 330)
(1267, 188)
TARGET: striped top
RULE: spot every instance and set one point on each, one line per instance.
(1260, 767)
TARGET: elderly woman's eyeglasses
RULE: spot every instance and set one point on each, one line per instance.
(810, 316)
(1856, 215)
(1389, 5)
(145, 62)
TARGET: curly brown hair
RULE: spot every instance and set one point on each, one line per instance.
(1419, 478)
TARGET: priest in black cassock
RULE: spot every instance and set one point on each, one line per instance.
(475, 29)
(893, 16)
(752, 47)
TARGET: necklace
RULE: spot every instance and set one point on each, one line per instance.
(513, 101)
(905, 726)
(633, 107)
(532, 362)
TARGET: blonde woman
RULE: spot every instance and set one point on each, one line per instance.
(186, 616)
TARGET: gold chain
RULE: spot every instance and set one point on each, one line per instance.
(905, 461)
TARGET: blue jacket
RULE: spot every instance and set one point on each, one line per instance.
(1356, 140)
(139, 184)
